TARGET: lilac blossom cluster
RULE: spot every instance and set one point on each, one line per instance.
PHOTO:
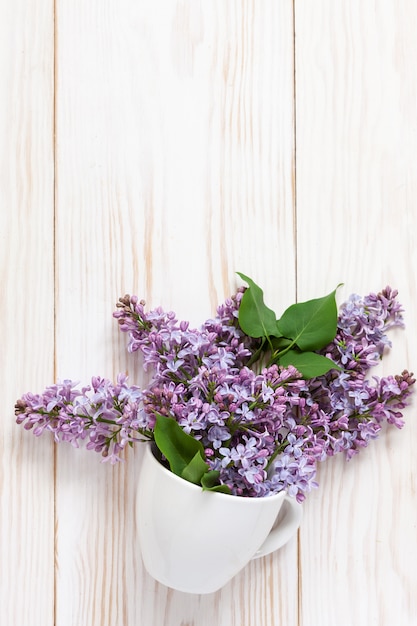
(108, 416)
(264, 430)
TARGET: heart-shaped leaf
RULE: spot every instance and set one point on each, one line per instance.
(311, 325)
(255, 318)
(185, 455)
(177, 446)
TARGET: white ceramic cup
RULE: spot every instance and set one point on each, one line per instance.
(196, 541)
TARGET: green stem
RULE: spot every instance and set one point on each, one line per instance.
(102, 420)
(278, 354)
(255, 356)
(274, 455)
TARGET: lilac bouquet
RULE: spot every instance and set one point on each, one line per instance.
(248, 404)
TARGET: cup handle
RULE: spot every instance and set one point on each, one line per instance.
(283, 528)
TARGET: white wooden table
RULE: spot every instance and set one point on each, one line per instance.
(155, 147)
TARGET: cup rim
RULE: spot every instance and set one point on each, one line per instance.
(150, 452)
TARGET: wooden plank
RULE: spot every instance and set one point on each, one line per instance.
(174, 170)
(357, 222)
(27, 307)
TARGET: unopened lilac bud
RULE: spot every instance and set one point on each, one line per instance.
(20, 407)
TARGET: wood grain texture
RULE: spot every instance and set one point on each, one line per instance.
(157, 148)
(357, 222)
(26, 308)
(175, 152)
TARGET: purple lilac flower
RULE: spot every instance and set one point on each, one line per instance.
(163, 340)
(361, 336)
(109, 416)
(264, 432)
(216, 435)
(295, 477)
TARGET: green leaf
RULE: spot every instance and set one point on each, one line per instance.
(309, 364)
(255, 318)
(195, 470)
(178, 447)
(311, 325)
(210, 482)
(185, 455)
